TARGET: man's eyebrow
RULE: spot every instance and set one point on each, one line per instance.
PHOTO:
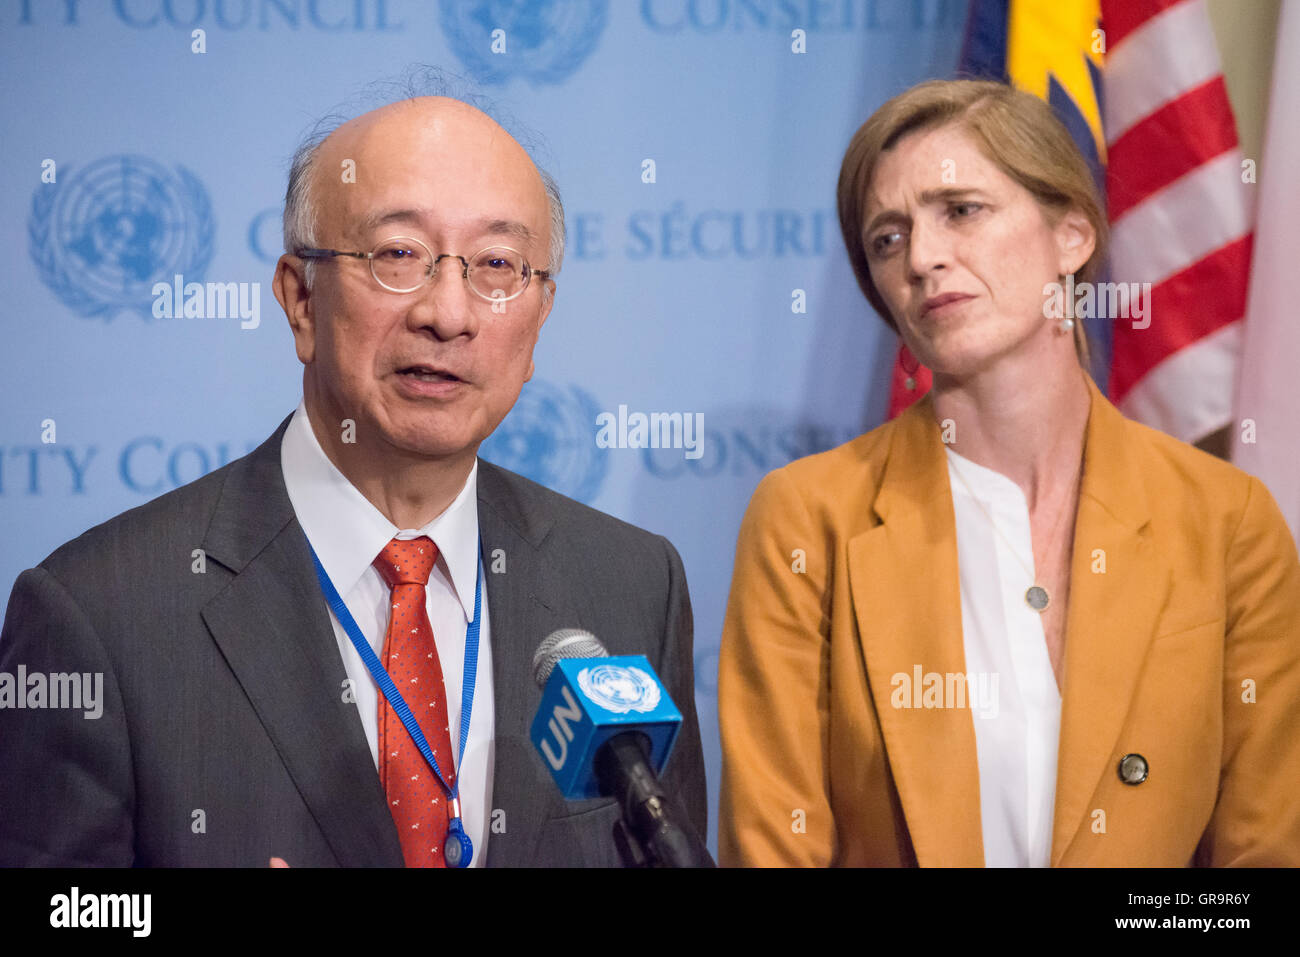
(383, 217)
(950, 194)
(507, 227)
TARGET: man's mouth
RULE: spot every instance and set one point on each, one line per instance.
(428, 374)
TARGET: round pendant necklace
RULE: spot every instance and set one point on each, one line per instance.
(1037, 596)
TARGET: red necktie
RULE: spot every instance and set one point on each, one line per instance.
(416, 800)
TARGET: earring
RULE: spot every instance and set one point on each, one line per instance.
(903, 355)
(1066, 325)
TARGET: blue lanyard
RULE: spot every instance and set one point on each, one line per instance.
(390, 690)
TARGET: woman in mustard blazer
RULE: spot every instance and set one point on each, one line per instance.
(1010, 627)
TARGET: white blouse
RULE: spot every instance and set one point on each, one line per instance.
(1017, 729)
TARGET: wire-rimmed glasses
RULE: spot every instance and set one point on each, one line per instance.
(404, 264)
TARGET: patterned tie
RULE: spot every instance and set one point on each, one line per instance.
(417, 801)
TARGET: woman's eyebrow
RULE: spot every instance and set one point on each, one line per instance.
(948, 194)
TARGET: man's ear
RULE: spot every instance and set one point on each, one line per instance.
(1075, 241)
(291, 292)
(548, 300)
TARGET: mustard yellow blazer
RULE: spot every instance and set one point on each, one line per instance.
(1184, 649)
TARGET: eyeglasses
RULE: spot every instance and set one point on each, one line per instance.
(404, 264)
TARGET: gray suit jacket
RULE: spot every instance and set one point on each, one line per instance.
(225, 738)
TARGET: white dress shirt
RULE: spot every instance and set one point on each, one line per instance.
(1016, 742)
(348, 533)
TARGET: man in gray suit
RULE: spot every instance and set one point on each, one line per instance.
(240, 722)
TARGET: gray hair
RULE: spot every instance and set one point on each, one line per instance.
(300, 212)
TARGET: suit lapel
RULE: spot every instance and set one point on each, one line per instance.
(519, 618)
(1117, 590)
(272, 627)
(907, 599)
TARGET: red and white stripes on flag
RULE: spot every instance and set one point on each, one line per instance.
(1181, 215)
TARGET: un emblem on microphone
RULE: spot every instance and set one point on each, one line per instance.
(105, 233)
(548, 437)
(619, 689)
(543, 41)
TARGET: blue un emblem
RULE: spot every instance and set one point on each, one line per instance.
(545, 40)
(549, 437)
(105, 233)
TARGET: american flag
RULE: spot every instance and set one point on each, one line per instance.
(1138, 84)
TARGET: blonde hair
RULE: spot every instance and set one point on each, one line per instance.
(1016, 130)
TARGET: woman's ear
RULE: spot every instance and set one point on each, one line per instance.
(1075, 241)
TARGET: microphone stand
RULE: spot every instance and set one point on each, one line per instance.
(649, 833)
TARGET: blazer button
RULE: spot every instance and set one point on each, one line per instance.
(1133, 769)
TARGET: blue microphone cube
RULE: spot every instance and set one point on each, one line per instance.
(589, 700)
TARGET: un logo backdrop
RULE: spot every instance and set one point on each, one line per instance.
(704, 290)
(543, 41)
(101, 236)
(547, 437)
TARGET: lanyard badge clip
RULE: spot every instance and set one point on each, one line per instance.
(457, 849)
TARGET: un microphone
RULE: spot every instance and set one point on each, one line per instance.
(605, 728)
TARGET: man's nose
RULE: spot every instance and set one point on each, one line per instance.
(445, 303)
